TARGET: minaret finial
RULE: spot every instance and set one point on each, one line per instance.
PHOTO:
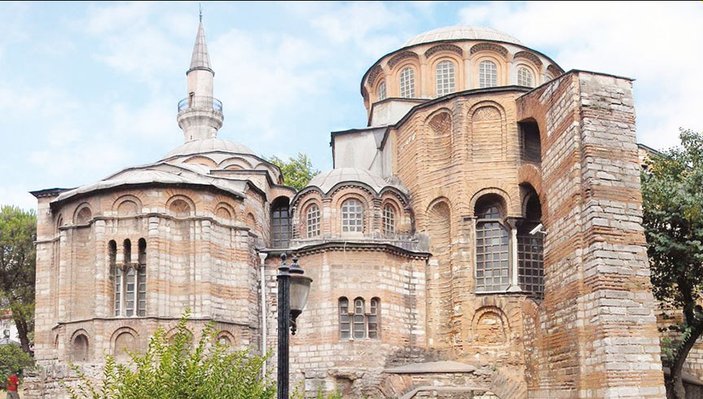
(200, 6)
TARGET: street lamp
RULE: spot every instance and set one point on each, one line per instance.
(293, 289)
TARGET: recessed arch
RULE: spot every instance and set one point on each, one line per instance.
(490, 327)
(201, 160)
(180, 205)
(80, 346)
(127, 205)
(83, 214)
(225, 211)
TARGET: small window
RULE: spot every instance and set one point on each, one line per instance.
(359, 326)
(344, 320)
(488, 74)
(280, 223)
(373, 318)
(407, 83)
(313, 221)
(382, 91)
(388, 220)
(525, 77)
(444, 78)
(352, 216)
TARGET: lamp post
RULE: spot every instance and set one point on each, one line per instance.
(293, 289)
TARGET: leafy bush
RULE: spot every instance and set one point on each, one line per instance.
(12, 358)
(174, 369)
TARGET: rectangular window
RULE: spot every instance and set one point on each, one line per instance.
(130, 285)
(141, 292)
(118, 290)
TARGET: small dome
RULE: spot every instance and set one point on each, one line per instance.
(209, 145)
(325, 181)
(461, 32)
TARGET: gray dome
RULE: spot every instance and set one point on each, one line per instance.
(212, 144)
(461, 32)
(325, 181)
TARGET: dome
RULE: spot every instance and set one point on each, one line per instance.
(209, 145)
(326, 181)
(459, 33)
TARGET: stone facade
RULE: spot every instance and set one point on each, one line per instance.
(481, 238)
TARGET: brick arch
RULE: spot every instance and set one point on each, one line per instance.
(301, 218)
(402, 56)
(344, 191)
(368, 209)
(234, 163)
(83, 214)
(531, 174)
(374, 74)
(507, 200)
(201, 160)
(489, 47)
(489, 326)
(126, 205)
(120, 337)
(80, 345)
(180, 205)
(225, 211)
(487, 140)
(444, 48)
(439, 139)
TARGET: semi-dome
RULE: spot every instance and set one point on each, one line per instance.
(327, 180)
(460, 33)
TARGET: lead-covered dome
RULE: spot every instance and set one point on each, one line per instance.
(461, 33)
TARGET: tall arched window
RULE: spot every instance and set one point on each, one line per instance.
(129, 279)
(388, 220)
(312, 220)
(492, 246)
(359, 319)
(444, 75)
(381, 91)
(280, 223)
(374, 311)
(344, 319)
(487, 74)
(407, 83)
(524, 77)
(352, 216)
(530, 249)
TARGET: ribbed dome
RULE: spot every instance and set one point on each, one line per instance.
(325, 181)
(212, 144)
(461, 32)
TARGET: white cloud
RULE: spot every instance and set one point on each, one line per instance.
(655, 43)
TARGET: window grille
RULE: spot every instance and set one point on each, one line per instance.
(407, 83)
(313, 221)
(382, 91)
(524, 77)
(388, 220)
(344, 320)
(492, 251)
(444, 75)
(352, 216)
(488, 75)
(359, 319)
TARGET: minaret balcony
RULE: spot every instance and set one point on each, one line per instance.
(200, 103)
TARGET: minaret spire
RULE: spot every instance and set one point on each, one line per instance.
(200, 114)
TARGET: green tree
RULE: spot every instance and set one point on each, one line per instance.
(297, 171)
(12, 358)
(672, 194)
(18, 230)
(175, 369)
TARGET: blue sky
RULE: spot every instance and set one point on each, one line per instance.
(87, 89)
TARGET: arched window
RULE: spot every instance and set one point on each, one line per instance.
(487, 74)
(530, 249)
(374, 311)
(313, 221)
(280, 223)
(359, 319)
(492, 247)
(352, 216)
(381, 91)
(407, 83)
(129, 279)
(524, 77)
(388, 220)
(444, 74)
(344, 320)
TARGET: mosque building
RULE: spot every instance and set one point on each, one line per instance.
(480, 238)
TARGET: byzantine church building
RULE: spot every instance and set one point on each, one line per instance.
(479, 238)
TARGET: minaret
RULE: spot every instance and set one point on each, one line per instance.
(200, 114)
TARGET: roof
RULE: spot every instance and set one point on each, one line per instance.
(461, 32)
(212, 144)
(327, 180)
(200, 58)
